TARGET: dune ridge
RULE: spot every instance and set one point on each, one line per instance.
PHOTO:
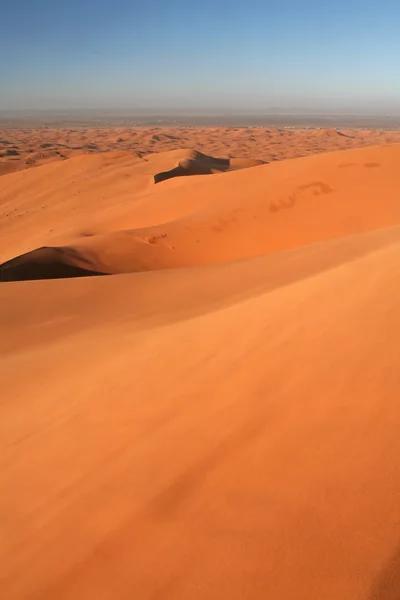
(219, 418)
(280, 200)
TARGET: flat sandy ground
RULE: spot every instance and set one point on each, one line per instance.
(199, 364)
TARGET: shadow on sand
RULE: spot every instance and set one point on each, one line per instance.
(387, 584)
(45, 263)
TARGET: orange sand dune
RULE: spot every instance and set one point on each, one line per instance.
(228, 216)
(88, 194)
(226, 429)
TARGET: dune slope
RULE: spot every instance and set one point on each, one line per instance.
(97, 193)
(233, 215)
(226, 429)
(205, 441)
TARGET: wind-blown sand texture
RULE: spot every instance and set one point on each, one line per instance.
(220, 418)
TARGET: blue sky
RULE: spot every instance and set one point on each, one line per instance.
(200, 55)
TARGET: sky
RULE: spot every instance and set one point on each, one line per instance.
(200, 55)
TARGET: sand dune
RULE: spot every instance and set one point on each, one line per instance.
(25, 148)
(231, 215)
(192, 162)
(225, 429)
(91, 194)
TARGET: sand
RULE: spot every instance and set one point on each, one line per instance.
(219, 418)
(30, 147)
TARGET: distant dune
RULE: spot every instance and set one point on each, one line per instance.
(25, 148)
(220, 417)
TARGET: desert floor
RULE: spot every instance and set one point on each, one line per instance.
(199, 361)
(22, 148)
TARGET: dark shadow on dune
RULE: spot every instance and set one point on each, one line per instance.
(387, 584)
(33, 271)
(45, 263)
(201, 165)
(344, 134)
(180, 172)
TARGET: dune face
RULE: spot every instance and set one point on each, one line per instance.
(45, 263)
(219, 418)
(201, 220)
(196, 163)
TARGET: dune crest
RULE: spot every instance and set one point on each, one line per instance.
(229, 216)
(196, 163)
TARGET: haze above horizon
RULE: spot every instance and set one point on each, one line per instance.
(171, 55)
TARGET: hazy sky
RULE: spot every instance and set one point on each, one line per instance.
(200, 54)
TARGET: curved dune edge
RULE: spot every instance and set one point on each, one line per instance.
(57, 203)
(46, 263)
(196, 163)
